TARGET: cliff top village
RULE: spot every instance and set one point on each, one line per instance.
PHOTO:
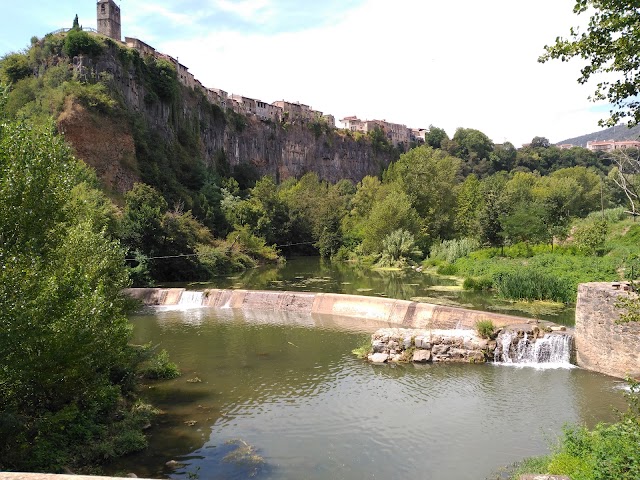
(109, 25)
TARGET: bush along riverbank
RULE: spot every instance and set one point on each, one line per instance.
(606, 452)
(545, 272)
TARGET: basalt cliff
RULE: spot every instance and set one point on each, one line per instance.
(184, 132)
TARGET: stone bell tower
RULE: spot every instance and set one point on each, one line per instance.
(109, 19)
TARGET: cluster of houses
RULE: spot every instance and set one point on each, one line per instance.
(108, 16)
(611, 145)
(605, 145)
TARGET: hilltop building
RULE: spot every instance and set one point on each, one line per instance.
(396, 133)
(611, 145)
(108, 14)
(109, 19)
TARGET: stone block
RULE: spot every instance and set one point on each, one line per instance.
(421, 356)
(378, 357)
(440, 349)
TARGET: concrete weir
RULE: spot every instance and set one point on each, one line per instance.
(403, 313)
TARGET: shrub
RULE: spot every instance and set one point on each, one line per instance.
(160, 367)
(477, 284)
(485, 328)
(451, 250)
(397, 247)
(590, 238)
(78, 42)
(611, 215)
(94, 96)
(606, 452)
(447, 269)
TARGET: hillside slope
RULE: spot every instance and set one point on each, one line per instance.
(619, 132)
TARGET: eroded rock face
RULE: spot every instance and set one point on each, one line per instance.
(275, 149)
(103, 143)
(430, 345)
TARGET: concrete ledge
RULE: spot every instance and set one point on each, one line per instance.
(403, 313)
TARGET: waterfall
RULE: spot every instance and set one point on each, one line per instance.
(553, 349)
(191, 298)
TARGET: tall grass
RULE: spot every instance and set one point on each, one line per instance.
(611, 215)
(528, 284)
(450, 250)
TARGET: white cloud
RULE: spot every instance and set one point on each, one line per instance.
(452, 64)
(253, 11)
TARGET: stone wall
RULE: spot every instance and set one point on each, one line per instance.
(603, 345)
(422, 346)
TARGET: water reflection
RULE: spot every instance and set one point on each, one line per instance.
(310, 274)
(285, 390)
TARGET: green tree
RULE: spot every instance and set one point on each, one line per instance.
(472, 144)
(525, 223)
(393, 213)
(78, 42)
(589, 189)
(609, 45)
(468, 203)
(15, 67)
(142, 219)
(76, 23)
(503, 157)
(435, 136)
(494, 207)
(540, 142)
(428, 178)
(65, 363)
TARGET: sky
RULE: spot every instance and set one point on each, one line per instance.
(455, 63)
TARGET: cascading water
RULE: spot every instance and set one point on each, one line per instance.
(552, 349)
(191, 299)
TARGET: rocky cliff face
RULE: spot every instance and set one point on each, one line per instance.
(282, 151)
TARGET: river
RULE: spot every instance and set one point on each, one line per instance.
(280, 396)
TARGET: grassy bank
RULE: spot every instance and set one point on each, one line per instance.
(544, 272)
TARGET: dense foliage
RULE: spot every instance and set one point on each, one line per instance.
(66, 369)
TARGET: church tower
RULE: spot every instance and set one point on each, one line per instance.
(109, 19)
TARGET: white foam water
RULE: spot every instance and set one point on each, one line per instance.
(551, 351)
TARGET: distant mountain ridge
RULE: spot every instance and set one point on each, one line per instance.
(619, 132)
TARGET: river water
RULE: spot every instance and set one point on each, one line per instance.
(310, 274)
(280, 396)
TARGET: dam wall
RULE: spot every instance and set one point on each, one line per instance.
(603, 344)
(401, 313)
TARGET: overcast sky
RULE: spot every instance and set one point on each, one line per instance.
(456, 63)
